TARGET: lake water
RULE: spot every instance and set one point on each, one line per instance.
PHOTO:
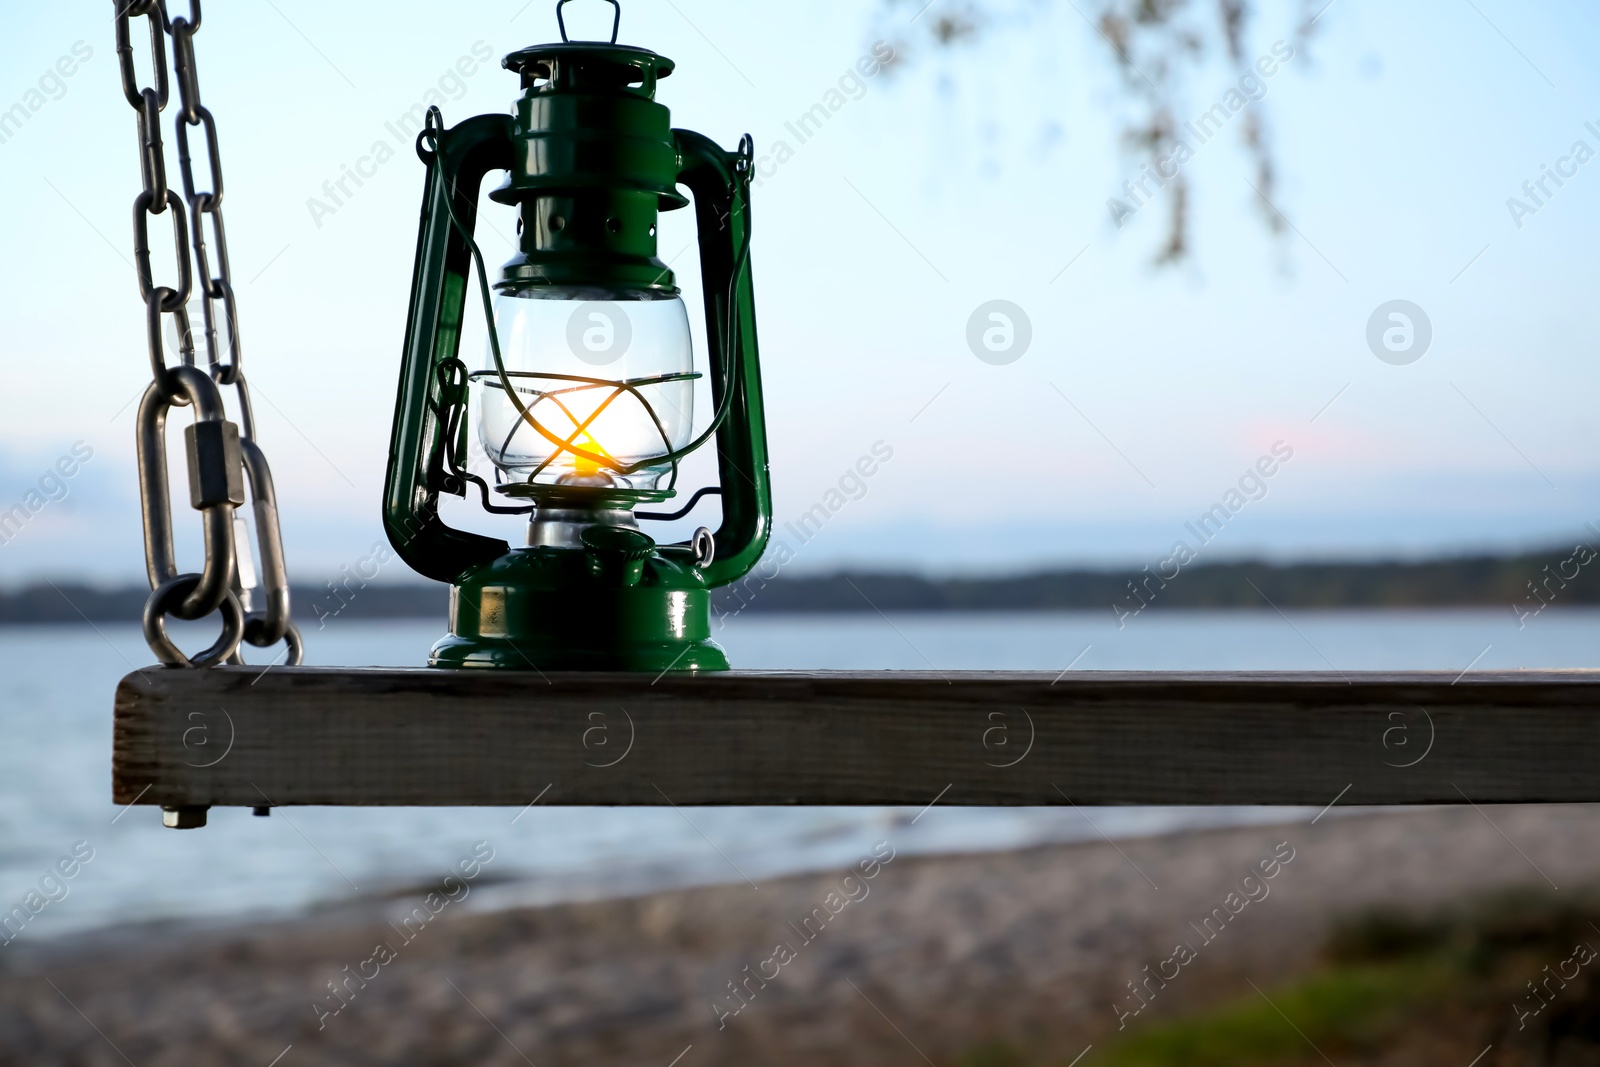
(55, 748)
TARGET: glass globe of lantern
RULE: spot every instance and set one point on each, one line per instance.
(608, 372)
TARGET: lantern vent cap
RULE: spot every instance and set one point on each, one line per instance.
(589, 67)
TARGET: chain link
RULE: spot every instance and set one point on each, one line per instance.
(223, 456)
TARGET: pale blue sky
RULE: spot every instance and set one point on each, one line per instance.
(966, 176)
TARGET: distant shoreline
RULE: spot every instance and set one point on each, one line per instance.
(1522, 583)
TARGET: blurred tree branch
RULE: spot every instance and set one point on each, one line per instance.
(1157, 45)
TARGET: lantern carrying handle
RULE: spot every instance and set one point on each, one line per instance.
(616, 19)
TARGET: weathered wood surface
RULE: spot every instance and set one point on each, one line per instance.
(237, 736)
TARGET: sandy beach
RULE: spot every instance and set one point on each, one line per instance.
(897, 960)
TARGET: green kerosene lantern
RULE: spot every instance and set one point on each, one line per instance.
(586, 398)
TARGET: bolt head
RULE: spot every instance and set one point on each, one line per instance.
(183, 818)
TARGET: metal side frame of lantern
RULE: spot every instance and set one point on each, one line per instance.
(586, 399)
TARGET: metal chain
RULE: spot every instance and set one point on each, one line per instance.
(223, 456)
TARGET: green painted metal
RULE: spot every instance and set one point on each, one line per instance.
(602, 608)
(593, 163)
(440, 277)
(722, 211)
(591, 159)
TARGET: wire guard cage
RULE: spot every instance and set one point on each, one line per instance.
(559, 394)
